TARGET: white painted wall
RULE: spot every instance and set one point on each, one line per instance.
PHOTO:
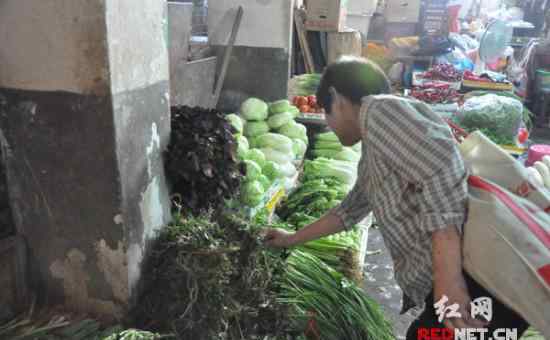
(265, 23)
(138, 48)
(64, 49)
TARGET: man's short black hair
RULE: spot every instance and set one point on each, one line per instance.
(354, 78)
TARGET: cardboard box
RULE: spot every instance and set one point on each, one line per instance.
(326, 15)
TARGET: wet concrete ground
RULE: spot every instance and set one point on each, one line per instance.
(381, 286)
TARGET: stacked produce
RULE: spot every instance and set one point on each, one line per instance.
(499, 117)
(307, 84)
(213, 280)
(270, 146)
(436, 94)
(201, 160)
(307, 104)
(327, 305)
(443, 72)
(328, 145)
(540, 172)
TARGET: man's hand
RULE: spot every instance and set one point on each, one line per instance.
(278, 238)
(454, 288)
(448, 279)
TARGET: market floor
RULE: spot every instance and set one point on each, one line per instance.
(381, 286)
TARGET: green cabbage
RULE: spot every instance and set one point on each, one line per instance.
(254, 109)
(272, 170)
(325, 153)
(328, 137)
(253, 170)
(294, 111)
(274, 141)
(336, 146)
(280, 119)
(279, 106)
(242, 147)
(357, 147)
(288, 169)
(294, 130)
(347, 154)
(253, 129)
(265, 182)
(256, 156)
(252, 193)
(299, 147)
(236, 122)
(277, 156)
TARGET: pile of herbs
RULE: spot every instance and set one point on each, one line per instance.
(201, 160)
(213, 280)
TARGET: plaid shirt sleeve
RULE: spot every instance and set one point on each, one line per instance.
(419, 146)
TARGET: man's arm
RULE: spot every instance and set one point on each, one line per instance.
(448, 278)
(327, 225)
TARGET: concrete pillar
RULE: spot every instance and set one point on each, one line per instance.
(84, 107)
(260, 65)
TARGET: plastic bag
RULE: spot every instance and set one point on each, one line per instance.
(500, 115)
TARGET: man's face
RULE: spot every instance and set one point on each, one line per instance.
(342, 123)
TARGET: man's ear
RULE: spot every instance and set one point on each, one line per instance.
(336, 98)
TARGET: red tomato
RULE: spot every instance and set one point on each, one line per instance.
(523, 135)
(312, 100)
(301, 101)
(305, 108)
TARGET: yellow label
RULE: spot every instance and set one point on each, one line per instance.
(272, 203)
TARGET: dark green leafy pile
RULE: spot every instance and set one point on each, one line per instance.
(213, 280)
(201, 161)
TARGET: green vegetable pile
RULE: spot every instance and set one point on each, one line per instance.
(213, 280)
(307, 84)
(328, 145)
(329, 306)
(498, 117)
(269, 142)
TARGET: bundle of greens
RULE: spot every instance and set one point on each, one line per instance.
(327, 305)
(328, 145)
(212, 280)
(201, 160)
(307, 84)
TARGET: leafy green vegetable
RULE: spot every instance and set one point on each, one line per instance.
(288, 169)
(340, 309)
(279, 119)
(294, 130)
(277, 156)
(299, 147)
(274, 141)
(328, 137)
(236, 122)
(265, 182)
(242, 147)
(279, 106)
(254, 129)
(307, 84)
(256, 156)
(500, 116)
(347, 154)
(272, 170)
(253, 170)
(294, 111)
(254, 109)
(252, 193)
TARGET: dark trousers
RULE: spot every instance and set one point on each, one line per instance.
(503, 317)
